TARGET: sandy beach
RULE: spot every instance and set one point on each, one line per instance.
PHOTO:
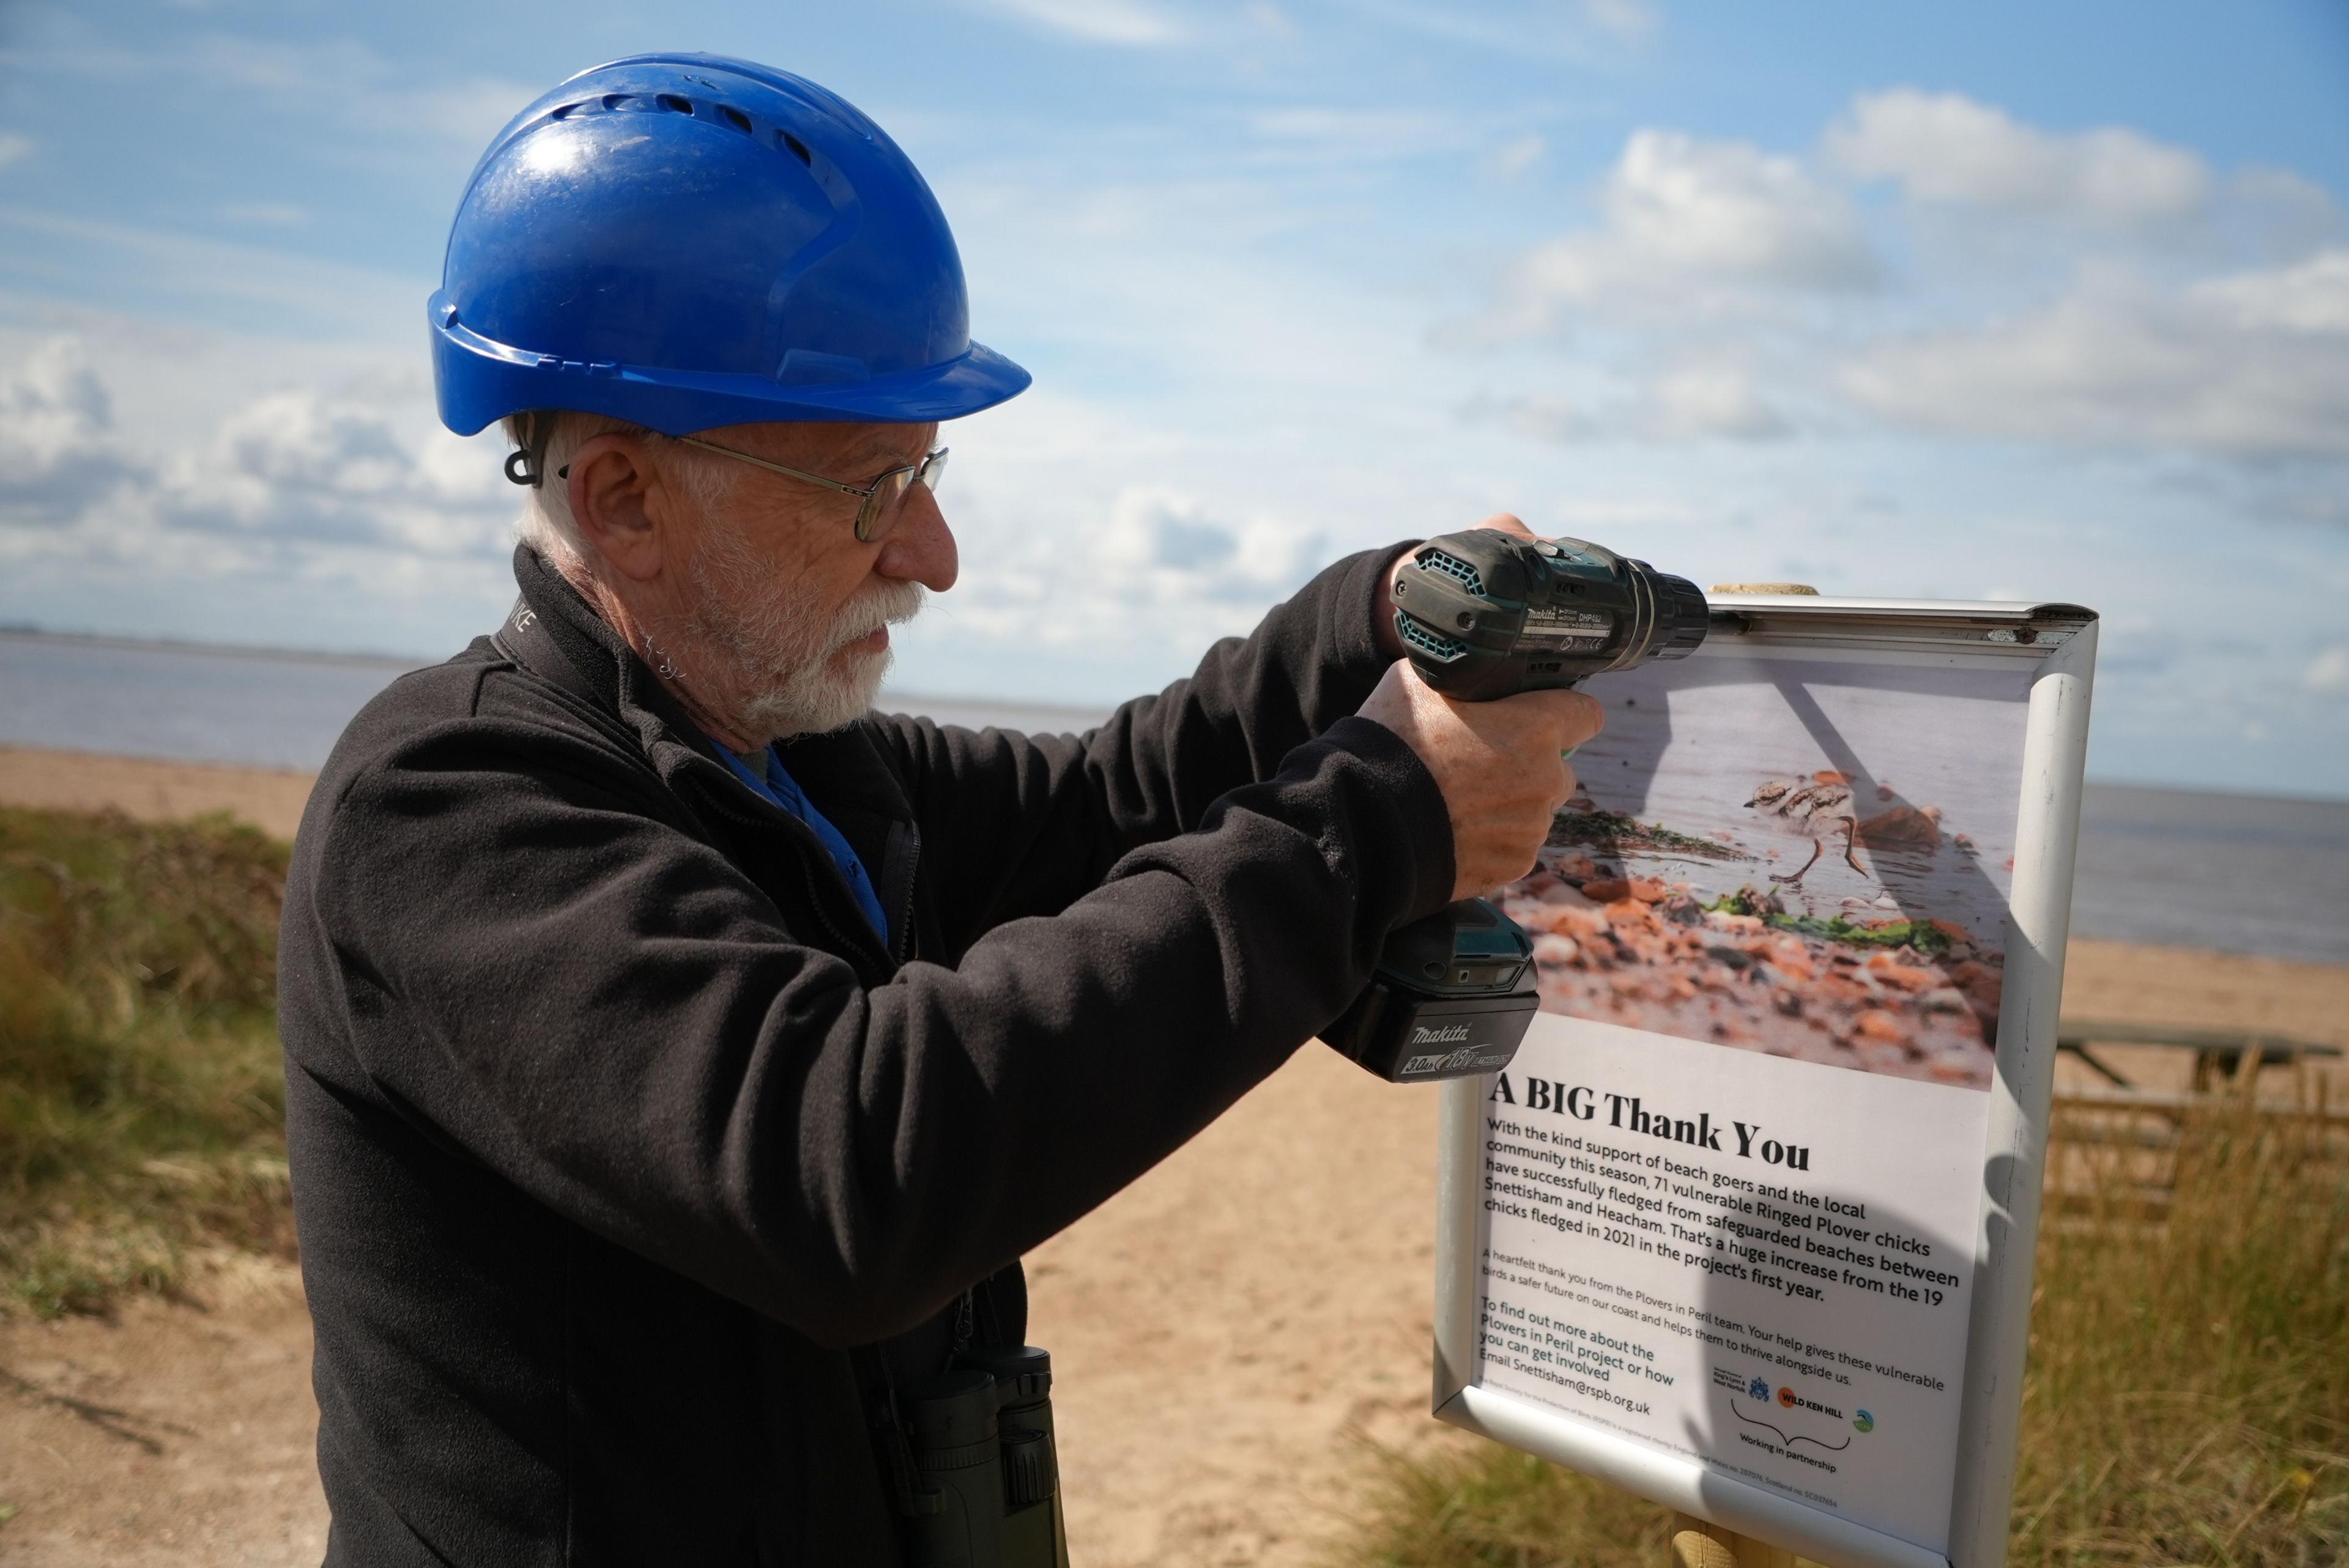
(140, 786)
(1223, 1331)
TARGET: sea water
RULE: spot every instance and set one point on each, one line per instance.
(2241, 873)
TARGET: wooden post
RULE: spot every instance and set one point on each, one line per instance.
(1696, 1544)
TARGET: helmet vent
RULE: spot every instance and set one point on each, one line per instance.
(799, 149)
(735, 117)
(675, 104)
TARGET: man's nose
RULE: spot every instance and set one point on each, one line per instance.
(920, 548)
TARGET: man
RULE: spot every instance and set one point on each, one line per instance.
(679, 1059)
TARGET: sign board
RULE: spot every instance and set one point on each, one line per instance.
(1746, 1227)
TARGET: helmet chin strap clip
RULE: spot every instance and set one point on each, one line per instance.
(526, 464)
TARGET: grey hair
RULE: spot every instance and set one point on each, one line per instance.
(546, 523)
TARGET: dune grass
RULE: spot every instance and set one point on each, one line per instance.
(2187, 1401)
(142, 1097)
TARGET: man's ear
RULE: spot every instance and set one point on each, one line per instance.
(620, 503)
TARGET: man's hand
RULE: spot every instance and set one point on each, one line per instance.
(1498, 763)
(1389, 640)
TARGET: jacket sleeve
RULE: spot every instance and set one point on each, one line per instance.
(603, 1010)
(1016, 825)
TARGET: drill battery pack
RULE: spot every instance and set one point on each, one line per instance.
(1453, 996)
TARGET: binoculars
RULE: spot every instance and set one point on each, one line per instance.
(986, 1478)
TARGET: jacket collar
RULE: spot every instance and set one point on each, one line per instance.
(845, 772)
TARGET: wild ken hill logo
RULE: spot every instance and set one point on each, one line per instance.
(1759, 1391)
(1790, 1400)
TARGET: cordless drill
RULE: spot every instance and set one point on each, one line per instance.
(1482, 616)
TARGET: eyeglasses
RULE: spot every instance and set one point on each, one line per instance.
(880, 501)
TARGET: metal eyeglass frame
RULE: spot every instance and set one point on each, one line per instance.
(872, 497)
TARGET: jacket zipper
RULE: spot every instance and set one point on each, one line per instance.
(905, 942)
(861, 946)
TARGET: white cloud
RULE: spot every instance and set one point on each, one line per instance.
(1688, 224)
(59, 455)
(1126, 22)
(1713, 400)
(266, 214)
(57, 401)
(1946, 148)
(2284, 214)
(1690, 403)
(2247, 365)
(310, 467)
(1580, 30)
(1270, 18)
(2328, 673)
(313, 476)
(1162, 544)
(334, 85)
(1352, 134)
(13, 147)
(1515, 159)
(294, 290)
(2312, 297)
(1718, 260)
(1629, 20)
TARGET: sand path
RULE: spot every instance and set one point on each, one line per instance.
(1216, 1330)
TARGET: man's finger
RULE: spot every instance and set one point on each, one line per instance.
(1507, 522)
(1580, 719)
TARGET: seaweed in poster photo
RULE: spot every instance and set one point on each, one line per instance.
(1928, 937)
(1631, 939)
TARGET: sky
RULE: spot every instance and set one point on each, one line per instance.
(1998, 300)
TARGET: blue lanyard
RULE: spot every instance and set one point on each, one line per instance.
(782, 788)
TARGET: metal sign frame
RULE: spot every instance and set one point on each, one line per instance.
(2061, 640)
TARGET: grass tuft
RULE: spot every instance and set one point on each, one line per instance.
(2187, 1401)
(142, 1095)
(1484, 1506)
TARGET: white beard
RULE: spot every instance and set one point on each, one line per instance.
(781, 655)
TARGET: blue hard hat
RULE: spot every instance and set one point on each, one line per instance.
(688, 241)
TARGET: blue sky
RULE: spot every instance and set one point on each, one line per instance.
(2047, 301)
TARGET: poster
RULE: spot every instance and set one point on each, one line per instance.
(1729, 1189)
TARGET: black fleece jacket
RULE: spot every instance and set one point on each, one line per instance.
(613, 1128)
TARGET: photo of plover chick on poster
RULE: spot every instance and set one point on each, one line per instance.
(1804, 858)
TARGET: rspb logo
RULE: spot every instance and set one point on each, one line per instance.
(1864, 1421)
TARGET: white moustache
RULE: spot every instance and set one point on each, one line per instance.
(891, 605)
